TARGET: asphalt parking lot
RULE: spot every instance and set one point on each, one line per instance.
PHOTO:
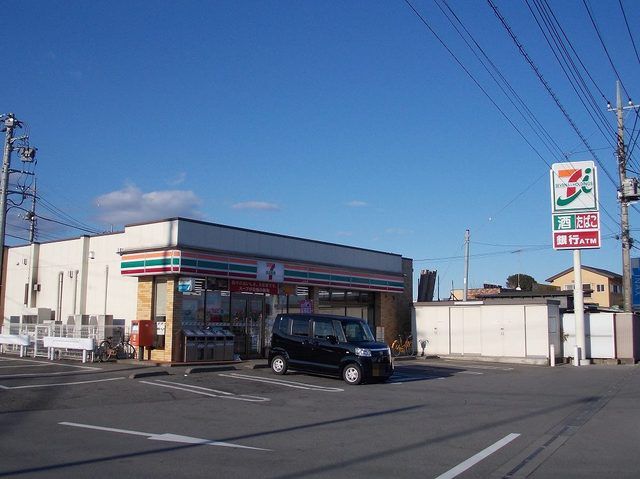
(433, 419)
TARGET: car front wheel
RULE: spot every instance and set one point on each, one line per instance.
(352, 374)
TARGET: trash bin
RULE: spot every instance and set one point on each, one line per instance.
(211, 338)
(218, 344)
(190, 345)
(201, 344)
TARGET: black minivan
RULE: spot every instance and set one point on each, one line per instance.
(334, 345)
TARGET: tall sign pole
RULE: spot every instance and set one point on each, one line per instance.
(576, 226)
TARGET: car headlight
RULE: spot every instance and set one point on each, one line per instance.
(363, 352)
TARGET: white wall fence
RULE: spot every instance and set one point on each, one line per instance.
(496, 331)
(607, 336)
(505, 331)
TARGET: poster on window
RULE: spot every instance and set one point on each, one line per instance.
(306, 306)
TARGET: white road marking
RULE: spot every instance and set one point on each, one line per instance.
(478, 366)
(281, 382)
(471, 372)
(206, 392)
(60, 384)
(48, 363)
(163, 437)
(473, 460)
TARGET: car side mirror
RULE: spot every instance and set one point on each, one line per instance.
(332, 339)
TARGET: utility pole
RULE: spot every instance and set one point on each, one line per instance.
(466, 265)
(27, 154)
(10, 124)
(31, 215)
(624, 196)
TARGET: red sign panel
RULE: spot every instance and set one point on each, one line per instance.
(237, 286)
(576, 239)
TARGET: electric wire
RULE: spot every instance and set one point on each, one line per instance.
(624, 15)
(551, 28)
(537, 127)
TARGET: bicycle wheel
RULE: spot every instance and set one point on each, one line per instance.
(129, 351)
(409, 349)
(396, 348)
(103, 351)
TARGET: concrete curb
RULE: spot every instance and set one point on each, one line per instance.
(208, 369)
(147, 374)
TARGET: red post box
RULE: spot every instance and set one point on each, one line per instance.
(141, 332)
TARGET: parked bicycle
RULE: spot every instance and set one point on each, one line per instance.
(402, 347)
(108, 350)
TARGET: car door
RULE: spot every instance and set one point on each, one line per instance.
(298, 343)
(326, 352)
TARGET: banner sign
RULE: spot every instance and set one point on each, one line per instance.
(575, 216)
(238, 286)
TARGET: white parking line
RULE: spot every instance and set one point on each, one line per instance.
(60, 384)
(163, 437)
(477, 366)
(48, 363)
(281, 382)
(475, 459)
(206, 391)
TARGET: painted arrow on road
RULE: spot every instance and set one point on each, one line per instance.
(163, 437)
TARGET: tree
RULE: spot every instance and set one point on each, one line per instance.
(525, 281)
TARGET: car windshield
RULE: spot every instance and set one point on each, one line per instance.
(357, 331)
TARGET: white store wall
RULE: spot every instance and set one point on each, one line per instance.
(491, 330)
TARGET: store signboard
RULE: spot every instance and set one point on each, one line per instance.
(267, 271)
(635, 282)
(574, 187)
(575, 216)
(576, 230)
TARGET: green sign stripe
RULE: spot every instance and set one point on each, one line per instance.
(241, 267)
(320, 276)
(158, 262)
(297, 274)
(132, 264)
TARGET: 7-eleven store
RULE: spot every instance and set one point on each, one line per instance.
(185, 274)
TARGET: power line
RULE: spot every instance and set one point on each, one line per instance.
(544, 82)
(629, 30)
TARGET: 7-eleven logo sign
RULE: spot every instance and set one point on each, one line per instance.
(269, 271)
(574, 186)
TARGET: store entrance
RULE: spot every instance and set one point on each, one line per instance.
(247, 324)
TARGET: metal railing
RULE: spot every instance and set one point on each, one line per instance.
(37, 332)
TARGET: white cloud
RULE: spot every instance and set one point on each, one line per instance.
(131, 205)
(255, 205)
(357, 204)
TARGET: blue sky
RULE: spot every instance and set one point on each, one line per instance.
(345, 122)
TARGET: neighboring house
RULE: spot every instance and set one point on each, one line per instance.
(606, 286)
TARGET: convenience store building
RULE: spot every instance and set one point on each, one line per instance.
(183, 273)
